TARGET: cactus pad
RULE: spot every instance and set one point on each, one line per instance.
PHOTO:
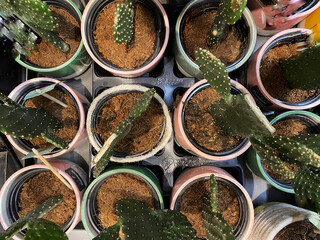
(41, 229)
(303, 71)
(123, 22)
(213, 194)
(110, 233)
(306, 185)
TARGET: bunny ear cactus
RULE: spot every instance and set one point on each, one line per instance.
(228, 13)
(40, 229)
(236, 114)
(214, 223)
(23, 122)
(303, 71)
(103, 157)
(123, 22)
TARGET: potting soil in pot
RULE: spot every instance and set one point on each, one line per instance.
(41, 187)
(142, 45)
(273, 79)
(302, 230)
(147, 128)
(191, 204)
(287, 128)
(201, 126)
(46, 55)
(117, 187)
(195, 32)
(68, 116)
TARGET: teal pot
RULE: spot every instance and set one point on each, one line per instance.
(254, 161)
(89, 210)
(76, 65)
(271, 218)
(245, 25)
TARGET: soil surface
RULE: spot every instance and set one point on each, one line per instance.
(142, 45)
(117, 187)
(302, 230)
(69, 116)
(191, 204)
(201, 126)
(228, 50)
(40, 188)
(147, 128)
(46, 55)
(287, 128)
(273, 79)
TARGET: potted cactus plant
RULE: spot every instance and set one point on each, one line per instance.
(114, 109)
(46, 41)
(127, 38)
(221, 122)
(271, 76)
(230, 39)
(45, 124)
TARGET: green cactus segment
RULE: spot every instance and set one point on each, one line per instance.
(309, 140)
(293, 150)
(55, 140)
(306, 185)
(42, 229)
(38, 212)
(215, 225)
(214, 71)
(213, 194)
(217, 30)
(123, 22)
(235, 116)
(110, 233)
(303, 71)
(271, 159)
(103, 157)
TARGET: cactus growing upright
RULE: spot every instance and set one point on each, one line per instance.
(15, 14)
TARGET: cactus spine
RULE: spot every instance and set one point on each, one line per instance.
(228, 13)
(123, 22)
(103, 157)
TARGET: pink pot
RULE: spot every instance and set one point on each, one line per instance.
(201, 173)
(11, 185)
(181, 135)
(87, 25)
(80, 101)
(262, 97)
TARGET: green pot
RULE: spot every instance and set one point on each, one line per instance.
(254, 161)
(76, 65)
(88, 211)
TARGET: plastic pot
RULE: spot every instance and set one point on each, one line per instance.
(89, 209)
(79, 100)
(76, 65)
(262, 97)
(10, 191)
(245, 223)
(271, 218)
(93, 119)
(185, 141)
(254, 161)
(245, 25)
(88, 25)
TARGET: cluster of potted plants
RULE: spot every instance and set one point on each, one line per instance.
(216, 119)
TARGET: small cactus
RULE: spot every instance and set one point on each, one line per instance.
(123, 22)
(236, 114)
(31, 219)
(228, 13)
(23, 122)
(41, 229)
(36, 15)
(103, 157)
(303, 71)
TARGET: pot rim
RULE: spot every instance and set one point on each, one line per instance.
(79, 102)
(55, 164)
(118, 71)
(127, 88)
(181, 136)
